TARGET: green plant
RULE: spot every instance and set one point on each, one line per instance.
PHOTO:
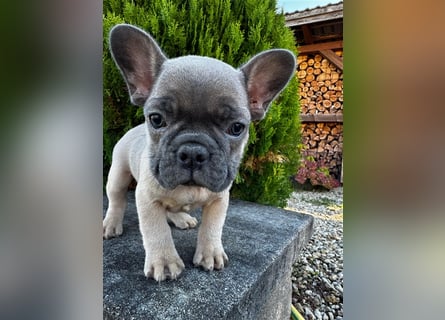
(229, 30)
(316, 173)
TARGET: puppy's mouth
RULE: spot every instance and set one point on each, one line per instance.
(191, 183)
(170, 177)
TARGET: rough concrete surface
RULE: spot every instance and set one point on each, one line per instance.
(261, 242)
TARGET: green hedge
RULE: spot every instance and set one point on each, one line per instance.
(232, 31)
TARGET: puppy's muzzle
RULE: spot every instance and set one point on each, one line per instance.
(192, 156)
(193, 159)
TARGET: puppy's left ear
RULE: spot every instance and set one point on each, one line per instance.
(267, 74)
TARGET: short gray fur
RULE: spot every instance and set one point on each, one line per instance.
(262, 243)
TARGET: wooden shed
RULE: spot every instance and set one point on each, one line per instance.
(319, 37)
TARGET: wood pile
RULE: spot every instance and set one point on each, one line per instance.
(320, 85)
(321, 92)
(324, 141)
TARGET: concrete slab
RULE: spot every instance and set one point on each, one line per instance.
(262, 243)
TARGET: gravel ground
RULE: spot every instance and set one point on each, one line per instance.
(317, 277)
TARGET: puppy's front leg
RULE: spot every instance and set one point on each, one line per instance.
(209, 250)
(161, 258)
(118, 181)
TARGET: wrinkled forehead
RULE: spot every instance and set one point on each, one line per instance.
(202, 78)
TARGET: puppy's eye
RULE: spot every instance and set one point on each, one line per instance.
(157, 121)
(236, 129)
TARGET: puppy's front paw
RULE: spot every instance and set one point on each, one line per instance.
(112, 227)
(182, 220)
(161, 268)
(210, 257)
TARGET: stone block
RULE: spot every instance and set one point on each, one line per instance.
(261, 242)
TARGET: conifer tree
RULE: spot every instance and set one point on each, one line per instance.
(232, 31)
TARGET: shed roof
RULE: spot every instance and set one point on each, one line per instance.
(318, 14)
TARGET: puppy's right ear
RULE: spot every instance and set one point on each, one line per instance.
(138, 57)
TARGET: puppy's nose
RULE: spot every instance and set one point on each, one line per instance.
(192, 156)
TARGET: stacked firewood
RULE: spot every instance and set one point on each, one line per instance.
(321, 92)
(324, 141)
(321, 85)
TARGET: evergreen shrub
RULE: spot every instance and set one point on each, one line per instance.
(232, 31)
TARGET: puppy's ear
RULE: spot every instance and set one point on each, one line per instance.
(138, 57)
(266, 75)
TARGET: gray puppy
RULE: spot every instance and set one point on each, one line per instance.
(187, 153)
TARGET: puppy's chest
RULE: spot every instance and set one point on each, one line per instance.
(187, 200)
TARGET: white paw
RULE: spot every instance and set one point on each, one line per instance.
(182, 220)
(210, 257)
(112, 227)
(161, 268)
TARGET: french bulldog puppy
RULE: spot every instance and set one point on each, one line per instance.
(186, 154)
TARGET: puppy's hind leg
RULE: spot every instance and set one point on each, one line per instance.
(118, 181)
(182, 220)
